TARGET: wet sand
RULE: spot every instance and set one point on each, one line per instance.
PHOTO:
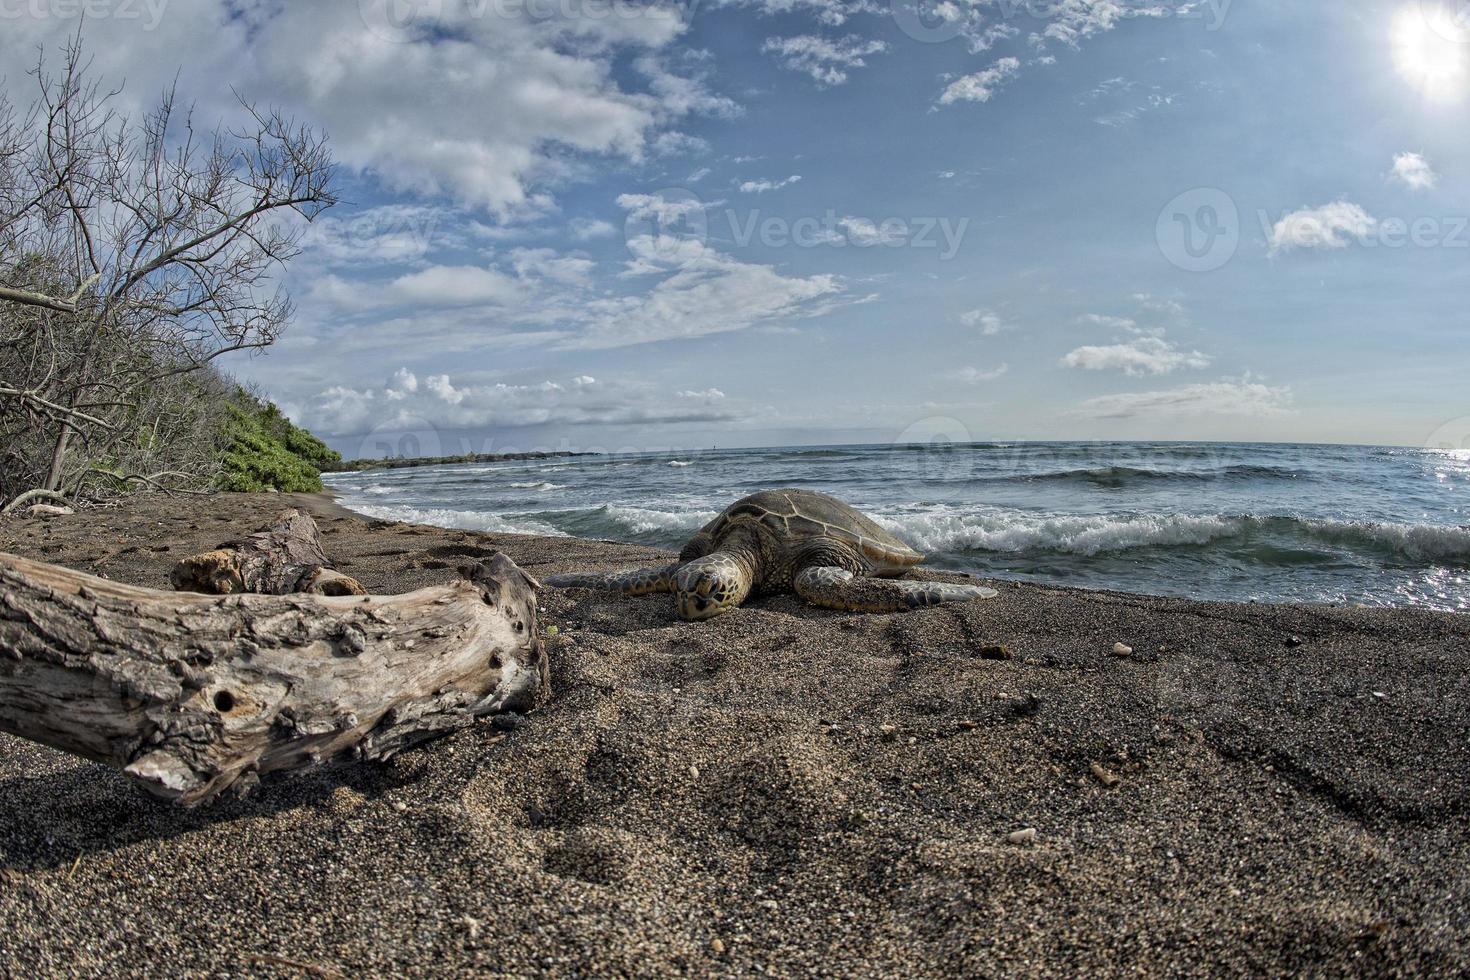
(793, 792)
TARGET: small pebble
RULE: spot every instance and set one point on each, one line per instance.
(1122, 650)
(1294, 641)
(400, 806)
(1103, 776)
(716, 946)
(1026, 836)
(694, 772)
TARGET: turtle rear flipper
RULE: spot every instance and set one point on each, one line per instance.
(640, 581)
(836, 588)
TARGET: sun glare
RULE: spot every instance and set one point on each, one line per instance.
(1434, 61)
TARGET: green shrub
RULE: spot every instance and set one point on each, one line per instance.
(307, 446)
(264, 451)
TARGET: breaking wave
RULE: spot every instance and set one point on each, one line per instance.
(1013, 532)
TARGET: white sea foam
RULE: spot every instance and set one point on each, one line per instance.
(542, 486)
(680, 463)
(644, 520)
(468, 520)
(1015, 531)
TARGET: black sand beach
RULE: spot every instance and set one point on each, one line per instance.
(793, 792)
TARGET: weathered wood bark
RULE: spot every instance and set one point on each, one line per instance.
(191, 695)
(284, 558)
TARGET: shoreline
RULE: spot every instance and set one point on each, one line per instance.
(797, 790)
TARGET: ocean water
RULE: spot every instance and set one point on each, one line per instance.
(1273, 523)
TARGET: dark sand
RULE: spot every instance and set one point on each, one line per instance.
(794, 792)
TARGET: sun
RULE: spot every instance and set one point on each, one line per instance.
(1437, 62)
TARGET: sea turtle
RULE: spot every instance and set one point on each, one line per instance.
(785, 541)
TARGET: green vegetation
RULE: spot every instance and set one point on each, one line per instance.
(265, 451)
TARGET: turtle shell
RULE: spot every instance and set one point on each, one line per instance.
(797, 514)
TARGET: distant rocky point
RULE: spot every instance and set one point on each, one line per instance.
(358, 465)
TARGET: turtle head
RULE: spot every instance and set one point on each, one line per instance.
(710, 586)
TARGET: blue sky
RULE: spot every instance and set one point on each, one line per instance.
(580, 224)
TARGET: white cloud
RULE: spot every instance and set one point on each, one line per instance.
(1139, 356)
(1111, 322)
(1073, 21)
(698, 175)
(665, 211)
(403, 383)
(864, 233)
(982, 85)
(704, 292)
(1332, 226)
(463, 285)
(832, 13)
(675, 143)
(395, 101)
(391, 234)
(589, 229)
(761, 186)
(974, 375)
(545, 263)
(988, 322)
(440, 403)
(1160, 304)
(1242, 397)
(1414, 172)
(828, 61)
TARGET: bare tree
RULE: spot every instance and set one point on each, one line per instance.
(133, 254)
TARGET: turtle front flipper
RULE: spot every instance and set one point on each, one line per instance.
(640, 581)
(836, 588)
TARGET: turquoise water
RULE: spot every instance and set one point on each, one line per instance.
(1275, 523)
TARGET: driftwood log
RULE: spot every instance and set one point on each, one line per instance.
(285, 558)
(191, 695)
